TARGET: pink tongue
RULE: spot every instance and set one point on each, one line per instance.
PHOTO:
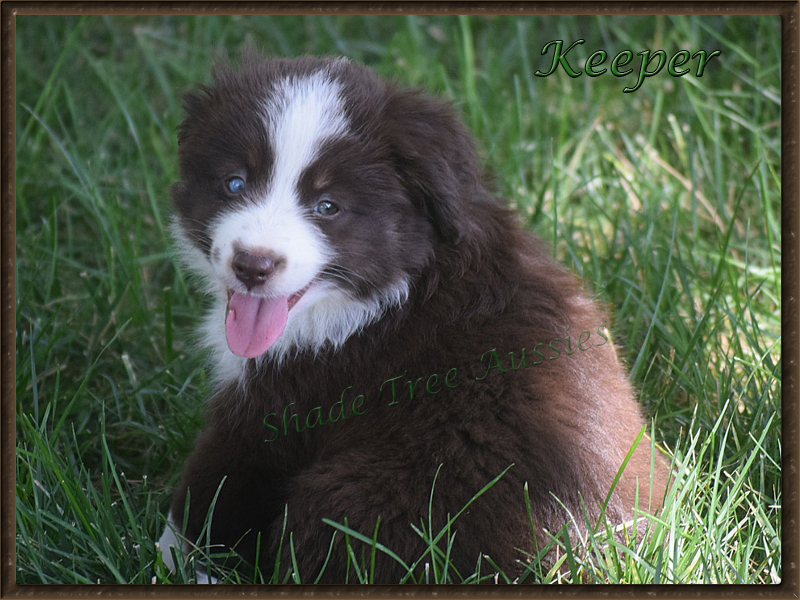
(253, 324)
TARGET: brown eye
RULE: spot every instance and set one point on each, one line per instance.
(326, 208)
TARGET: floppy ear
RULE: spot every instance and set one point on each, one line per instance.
(434, 158)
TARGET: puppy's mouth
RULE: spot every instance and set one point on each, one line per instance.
(254, 323)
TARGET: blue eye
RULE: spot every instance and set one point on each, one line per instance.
(235, 185)
(326, 208)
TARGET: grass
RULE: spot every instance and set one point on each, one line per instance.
(666, 200)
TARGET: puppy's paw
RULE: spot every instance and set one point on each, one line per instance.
(203, 577)
(169, 540)
(166, 542)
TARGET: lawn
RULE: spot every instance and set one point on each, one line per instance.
(666, 200)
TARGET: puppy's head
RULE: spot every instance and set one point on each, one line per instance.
(311, 195)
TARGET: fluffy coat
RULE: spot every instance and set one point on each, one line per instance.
(474, 350)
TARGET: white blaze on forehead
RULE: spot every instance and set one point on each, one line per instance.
(301, 115)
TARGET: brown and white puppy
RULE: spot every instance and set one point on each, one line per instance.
(378, 314)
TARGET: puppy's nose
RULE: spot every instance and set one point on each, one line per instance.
(254, 269)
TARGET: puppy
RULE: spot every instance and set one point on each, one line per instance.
(380, 321)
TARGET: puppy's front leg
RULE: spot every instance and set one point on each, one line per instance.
(230, 498)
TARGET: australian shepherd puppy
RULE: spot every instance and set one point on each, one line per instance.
(379, 321)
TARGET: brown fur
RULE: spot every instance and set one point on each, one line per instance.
(479, 283)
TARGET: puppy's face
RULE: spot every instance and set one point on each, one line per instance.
(307, 201)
